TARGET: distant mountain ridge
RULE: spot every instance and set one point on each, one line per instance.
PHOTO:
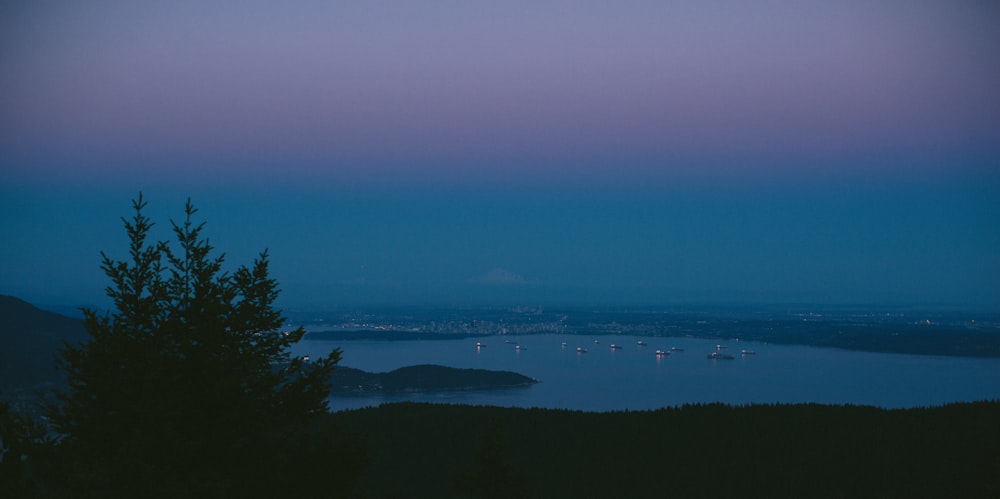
(29, 340)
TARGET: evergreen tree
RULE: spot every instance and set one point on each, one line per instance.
(187, 387)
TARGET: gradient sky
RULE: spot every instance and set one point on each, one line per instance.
(395, 152)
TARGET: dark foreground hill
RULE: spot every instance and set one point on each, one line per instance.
(422, 450)
(422, 378)
(781, 451)
(29, 338)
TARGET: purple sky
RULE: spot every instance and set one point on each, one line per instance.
(737, 105)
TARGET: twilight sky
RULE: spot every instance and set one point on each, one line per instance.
(397, 152)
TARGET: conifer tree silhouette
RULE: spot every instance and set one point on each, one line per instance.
(187, 386)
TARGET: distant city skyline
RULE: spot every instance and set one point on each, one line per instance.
(422, 153)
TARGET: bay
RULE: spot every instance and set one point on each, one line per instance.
(633, 377)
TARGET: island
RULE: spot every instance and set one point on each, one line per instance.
(423, 378)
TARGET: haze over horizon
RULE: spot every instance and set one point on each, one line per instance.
(456, 153)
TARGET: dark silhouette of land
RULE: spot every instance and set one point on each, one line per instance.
(423, 378)
(424, 450)
(29, 338)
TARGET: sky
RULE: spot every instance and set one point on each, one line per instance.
(529, 152)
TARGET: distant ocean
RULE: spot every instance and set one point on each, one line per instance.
(633, 377)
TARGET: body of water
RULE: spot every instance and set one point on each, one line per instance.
(635, 378)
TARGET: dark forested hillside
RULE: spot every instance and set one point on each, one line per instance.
(29, 339)
(421, 450)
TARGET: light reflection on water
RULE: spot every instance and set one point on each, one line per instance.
(634, 378)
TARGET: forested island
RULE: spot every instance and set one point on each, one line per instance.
(423, 378)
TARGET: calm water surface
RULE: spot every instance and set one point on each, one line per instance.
(634, 378)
